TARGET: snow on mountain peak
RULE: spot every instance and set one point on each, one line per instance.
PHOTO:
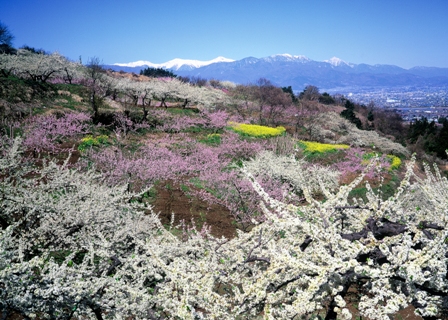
(290, 57)
(175, 63)
(136, 64)
(336, 62)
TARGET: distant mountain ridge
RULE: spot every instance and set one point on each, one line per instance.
(299, 71)
(174, 64)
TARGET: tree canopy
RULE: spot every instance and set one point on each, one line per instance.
(6, 39)
(157, 73)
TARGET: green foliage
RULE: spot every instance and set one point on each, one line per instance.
(325, 98)
(182, 111)
(430, 137)
(34, 50)
(349, 114)
(157, 73)
(421, 127)
(6, 39)
(184, 188)
(385, 190)
(17, 90)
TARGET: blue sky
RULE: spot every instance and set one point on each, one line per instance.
(406, 33)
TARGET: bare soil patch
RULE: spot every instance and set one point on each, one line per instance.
(172, 199)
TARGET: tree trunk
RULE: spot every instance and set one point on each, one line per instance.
(97, 311)
(162, 103)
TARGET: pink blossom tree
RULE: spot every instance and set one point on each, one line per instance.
(46, 132)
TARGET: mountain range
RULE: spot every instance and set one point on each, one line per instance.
(299, 71)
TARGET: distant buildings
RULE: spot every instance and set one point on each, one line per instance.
(411, 102)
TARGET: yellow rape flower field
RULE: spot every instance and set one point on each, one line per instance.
(317, 147)
(395, 162)
(254, 130)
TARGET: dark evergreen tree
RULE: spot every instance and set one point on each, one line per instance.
(325, 98)
(289, 91)
(442, 139)
(349, 114)
(6, 39)
(421, 127)
(34, 50)
(157, 73)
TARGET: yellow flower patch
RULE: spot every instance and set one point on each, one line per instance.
(395, 162)
(254, 130)
(90, 141)
(317, 147)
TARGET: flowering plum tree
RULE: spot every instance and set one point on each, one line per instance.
(99, 83)
(38, 66)
(395, 249)
(72, 247)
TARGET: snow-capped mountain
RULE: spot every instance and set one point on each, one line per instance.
(174, 64)
(338, 62)
(286, 57)
(298, 71)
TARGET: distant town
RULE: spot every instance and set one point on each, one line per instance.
(411, 102)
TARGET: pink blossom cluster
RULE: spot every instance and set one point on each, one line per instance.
(46, 132)
(210, 171)
(171, 158)
(214, 120)
(356, 161)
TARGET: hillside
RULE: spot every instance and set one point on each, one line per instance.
(125, 196)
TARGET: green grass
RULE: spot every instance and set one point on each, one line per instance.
(150, 195)
(387, 190)
(213, 139)
(182, 112)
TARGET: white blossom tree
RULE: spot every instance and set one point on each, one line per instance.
(39, 67)
(72, 247)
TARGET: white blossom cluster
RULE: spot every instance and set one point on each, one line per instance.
(39, 66)
(71, 247)
(174, 89)
(300, 175)
(44, 67)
